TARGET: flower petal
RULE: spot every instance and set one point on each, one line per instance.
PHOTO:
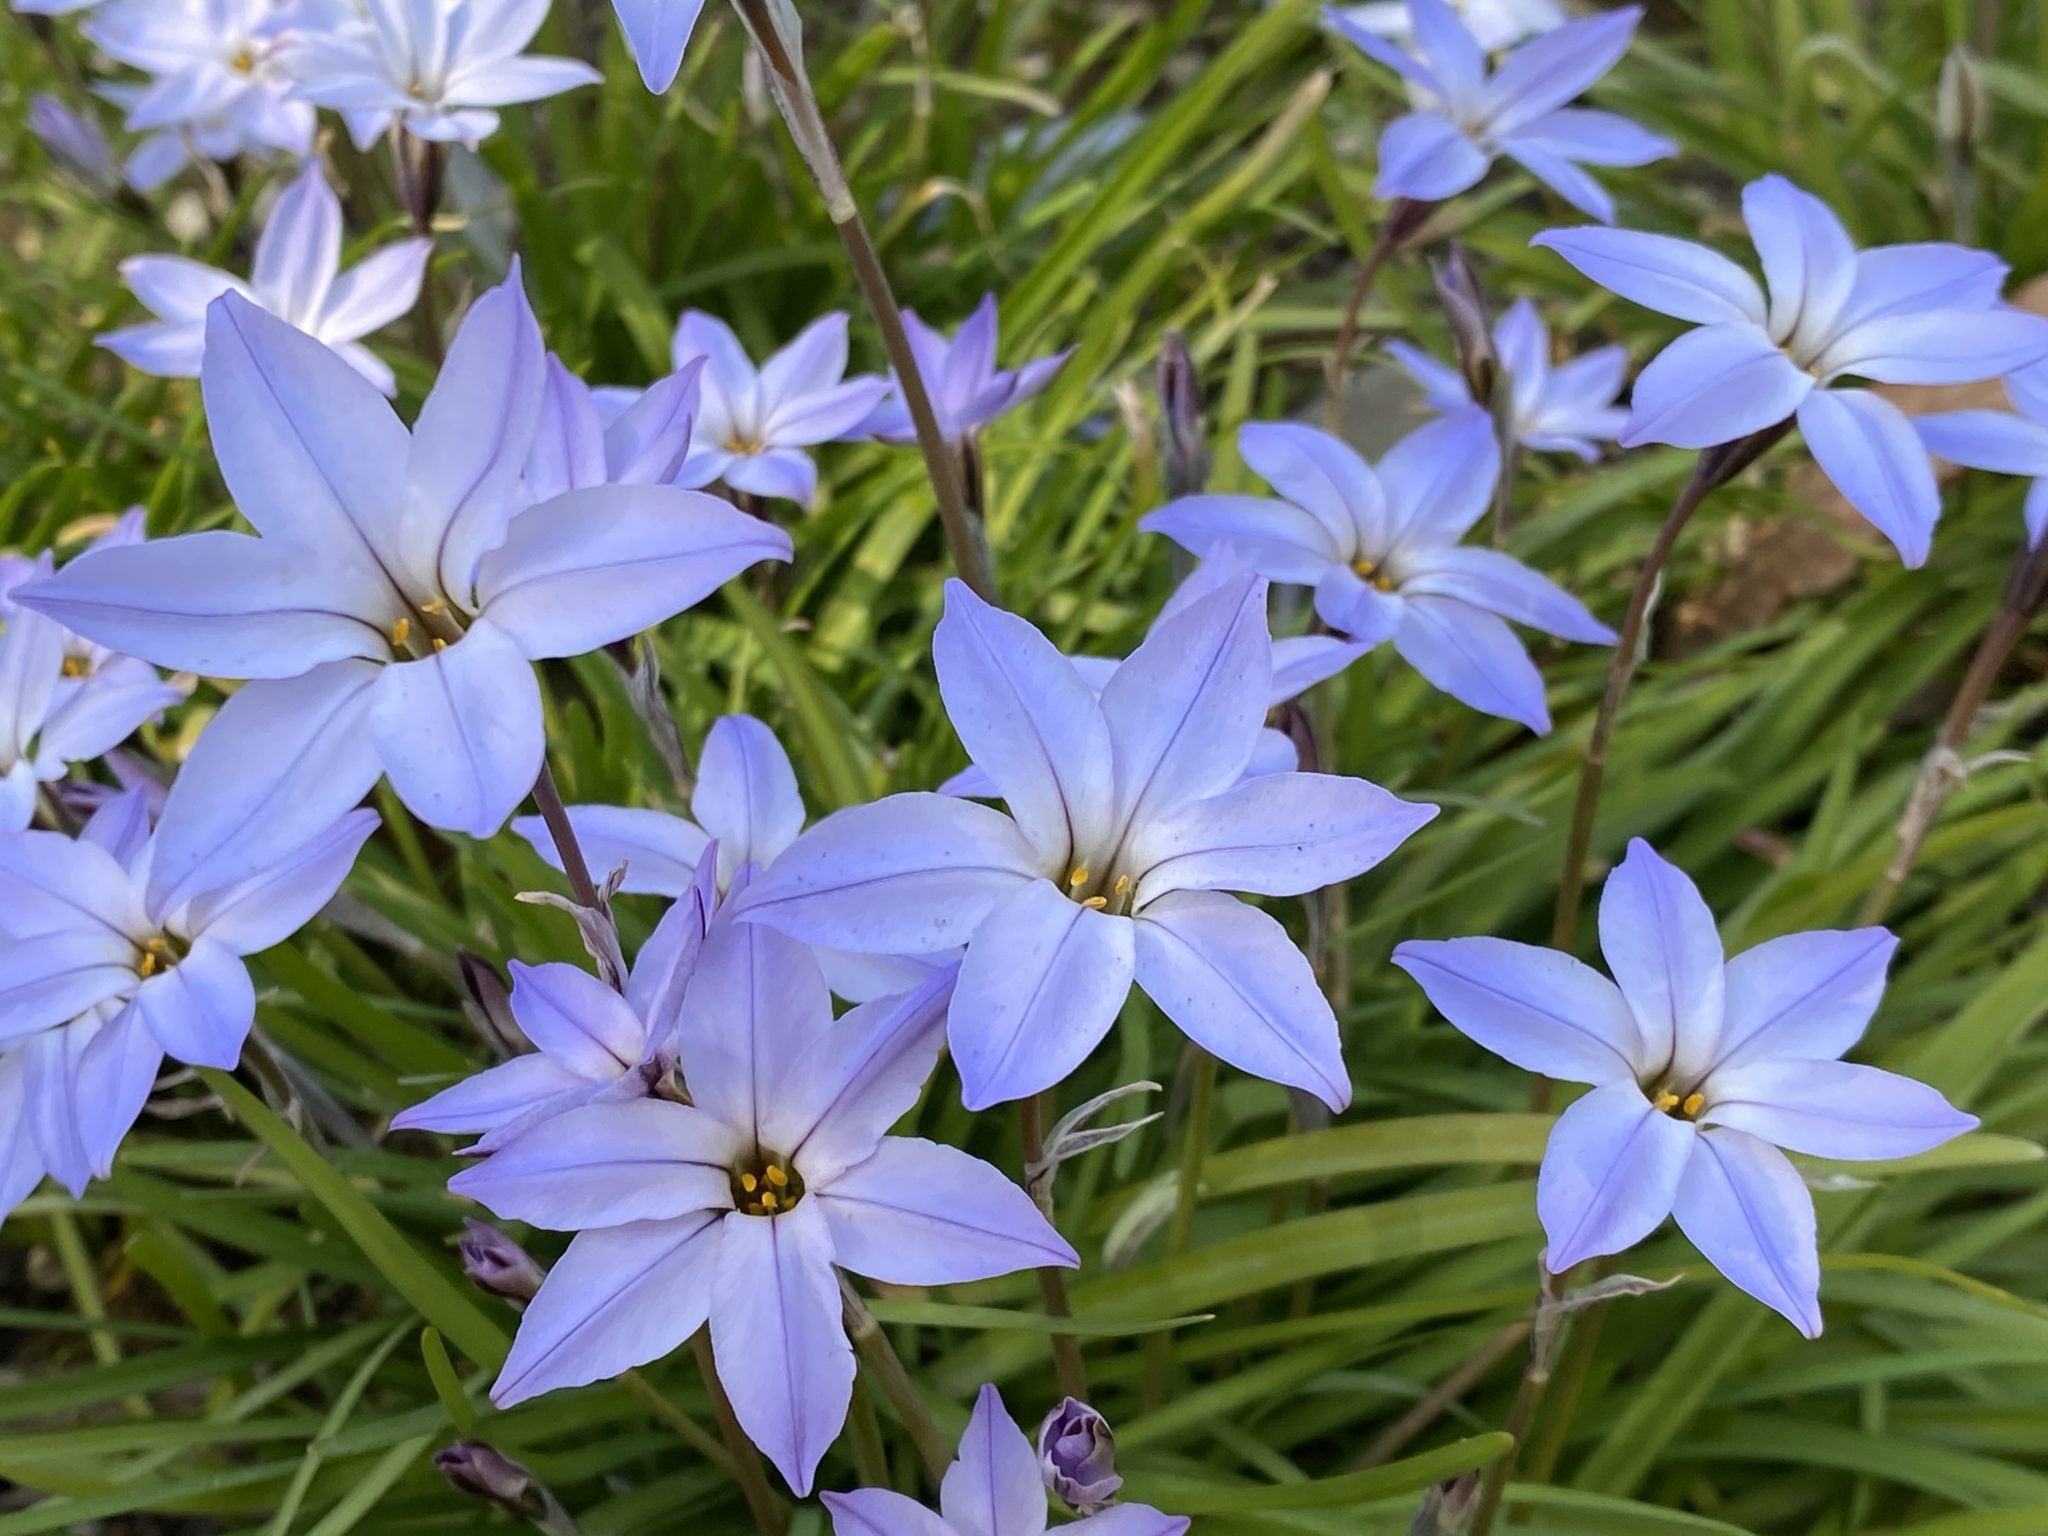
(1555, 168)
(1746, 1208)
(577, 1020)
(1805, 995)
(777, 1332)
(918, 1213)
(1999, 441)
(754, 1004)
(1439, 481)
(275, 903)
(1809, 260)
(881, 1512)
(746, 795)
(115, 1074)
(1610, 1174)
(606, 1164)
(201, 1010)
(1426, 157)
(299, 250)
(1131, 1520)
(658, 849)
(1867, 447)
(1539, 1008)
(1911, 279)
(1940, 346)
(1233, 981)
(1497, 582)
(1712, 386)
(620, 1297)
(994, 1487)
(52, 979)
(493, 1097)
(1324, 476)
(1041, 985)
(657, 32)
(21, 1160)
(1673, 277)
(461, 732)
(1472, 656)
(1550, 70)
(1832, 1108)
(50, 883)
(1663, 948)
(1279, 541)
(375, 291)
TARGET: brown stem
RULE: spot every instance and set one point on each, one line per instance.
(806, 123)
(548, 798)
(1521, 1416)
(886, 1370)
(1401, 222)
(1941, 772)
(747, 1469)
(1575, 1359)
(1052, 1282)
(1430, 1407)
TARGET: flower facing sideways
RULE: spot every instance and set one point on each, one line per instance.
(1566, 408)
(1466, 116)
(297, 277)
(2005, 442)
(992, 1489)
(738, 1206)
(967, 390)
(1129, 821)
(402, 585)
(108, 964)
(578, 446)
(1380, 546)
(1702, 1068)
(1894, 314)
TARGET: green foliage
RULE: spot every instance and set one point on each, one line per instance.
(232, 1328)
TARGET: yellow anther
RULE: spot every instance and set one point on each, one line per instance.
(776, 1176)
(749, 1183)
(432, 606)
(1694, 1103)
(1096, 903)
(440, 644)
(400, 630)
(76, 666)
(148, 967)
(1123, 883)
(1078, 878)
(1665, 1102)
(158, 945)
(768, 1200)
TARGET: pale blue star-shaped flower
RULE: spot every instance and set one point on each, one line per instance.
(402, 584)
(2005, 442)
(967, 390)
(109, 963)
(297, 277)
(1557, 408)
(738, 1207)
(1894, 314)
(1702, 1068)
(754, 424)
(993, 1488)
(1130, 820)
(1467, 115)
(1380, 546)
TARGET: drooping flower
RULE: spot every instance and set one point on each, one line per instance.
(297, 277)
(1129, 821)
(967, 390)
(992, 1489)
(109, 962)
(1380, 547)
(1494, 24)
(1566, 408)
(746, 802)
(657, 32)
(1894, 314)
(738, 1206)
(577, 447)
(62, 701)
(1077, 1457)
(2004, 442)
(401, 586)
(1702, 1068)
(591, 1044)
(440, 68)
(754, 423)
(1467, 115)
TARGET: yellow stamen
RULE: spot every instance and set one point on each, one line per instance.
(1096, 903)
(1123, 883)
(440, 644)
(749, 1183)
(768, 1200)
(432, 605)
(1078, 878)
(399, 631)
(76, 666)
(148, 967)
(1665, 1102)
(1694, 1103)
(776, 1176)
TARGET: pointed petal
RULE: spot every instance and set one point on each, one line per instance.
(618, 1298)
(1586, 136)
(1279, 541)
(659, 850)
(600, 565)
(994, 1488)
(377, 290)
(1912, 279)
(1610, 1174)
(300, 248)
(1362, 614)
(1553, 165)
(1324, 476)
(781, 1346)
(114, 1076)
(1132, 1520)
(1548, 71)
(106, 712)
(1674, 277)
(755, 1003)
(577, 1020)
(568, 441)
(50, 883)
(1426, 157)
(179, 290)
(201, 1010)
(657, 32)
(1233, 981)
(1439, 481)
(881, 1512)
(1302, 661)
(162, 351)
(746, 794)
(527, 77)
(1940, 346)
(917, 1213)
(275, 903)
(1663, 948)
(1867, 447)
(461, 732)
(1380, 51)
(493, 1097)
(910, 874)
(607, 1164)
(52, 979)
(1805, 995)
(1746, 1208)
(1712, 386)
(1539, 1008)
(50, 1093)
(648, 442)
(1832, 1108)
(21, 1160)
(1809, 260)
(1999, 441)
(1472, 656)
(784, 473)
(1499, 583)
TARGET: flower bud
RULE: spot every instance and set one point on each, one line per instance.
(494, 1263)
(493, 1015)
(1447, 1507)
(1962, 107)
(482, 1473)
(1464, 305)
(1077, 1457)
(1186, 442)
(74, 142)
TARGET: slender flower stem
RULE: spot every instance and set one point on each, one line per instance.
(879, 1356)
(1400, 222)
(747, 1469)
(1431, 1405)
(864, 1429)
(1052, 1282)
(1194, 1150)
(798, 104)
(1521, 1416)
(1942, 771)
(1568, 1379)
(686, 1429)
(547, 797)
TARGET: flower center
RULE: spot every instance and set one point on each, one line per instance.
(432, 626)
(1665, 1102)
(77, 666)
(745, 447)
(1372, 572)
(1113, 896)
(244, 61)
(765, 1184)
(159, 954)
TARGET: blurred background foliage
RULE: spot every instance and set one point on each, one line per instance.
(228, 1336)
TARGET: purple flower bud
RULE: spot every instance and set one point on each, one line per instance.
(74, 142)
(493, 1016)
(1077, 1456)
(482, 1473)
(1464, 305)
(1446, 1507)
(1186, 444)
(494, 1263)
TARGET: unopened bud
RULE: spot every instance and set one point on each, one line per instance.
(1184, 438)
(482, 1473)
(74, 142)
(494, 1263)
(1464, 306)
(1962, 106)
(1077, 1457)
(491, 1002)
(1447, 1507)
